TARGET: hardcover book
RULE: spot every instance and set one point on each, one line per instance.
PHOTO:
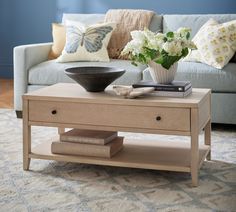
(178, 86)
(70, 148)
(172, 93)
(88, 136)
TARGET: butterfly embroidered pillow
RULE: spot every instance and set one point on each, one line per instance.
(86, 43)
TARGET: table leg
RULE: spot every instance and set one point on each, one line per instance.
(26, 137)
(194, 147)
(207, 137)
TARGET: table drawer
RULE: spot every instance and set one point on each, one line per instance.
(110, 115)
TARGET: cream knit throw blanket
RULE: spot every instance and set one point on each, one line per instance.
(127, 21)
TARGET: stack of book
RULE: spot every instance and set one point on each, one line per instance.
(88, 143)
(174, 89)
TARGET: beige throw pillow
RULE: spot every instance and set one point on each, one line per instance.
(127, 20)
(86, 43)
(59, 40)
(216, 44)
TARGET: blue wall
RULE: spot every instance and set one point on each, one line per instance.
(29, 21)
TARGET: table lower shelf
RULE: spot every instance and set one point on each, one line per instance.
(158, 155)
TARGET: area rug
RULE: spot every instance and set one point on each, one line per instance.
(59, 186)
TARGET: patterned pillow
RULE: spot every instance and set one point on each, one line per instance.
(86, 43)
(216, 44)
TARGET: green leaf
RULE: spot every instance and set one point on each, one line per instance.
(184, 52)
(142, 58)
(159, 60)
(170, 34)
(150, 54)
(168, 61)
(188, 35)
(164, 53)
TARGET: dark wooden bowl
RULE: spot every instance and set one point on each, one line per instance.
(94, 78)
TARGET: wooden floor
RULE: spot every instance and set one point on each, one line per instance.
(6, 93)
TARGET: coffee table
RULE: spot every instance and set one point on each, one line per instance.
(70, 106)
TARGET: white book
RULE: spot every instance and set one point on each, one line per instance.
(172, 93)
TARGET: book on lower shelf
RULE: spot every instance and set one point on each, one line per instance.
(171, 93)
(71, 148)
(88, 136)
(175, 86)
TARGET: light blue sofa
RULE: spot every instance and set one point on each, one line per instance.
(32, 70)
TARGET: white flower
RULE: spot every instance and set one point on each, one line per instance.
(160, 36)
(188, 44)
(134, 47)
(147, 45)
(154, 41)
(191, 45)
(152, 44)
(149, 34)
(138, 35)
(183, 31)
(160, 39)
(173, 48)
(127, 49)
(137, 47)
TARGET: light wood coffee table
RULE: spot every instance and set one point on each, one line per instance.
(70, 106)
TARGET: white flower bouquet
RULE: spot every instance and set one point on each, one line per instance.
(164, 49)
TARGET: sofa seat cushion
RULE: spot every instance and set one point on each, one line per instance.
(50, 72)
(204, 76)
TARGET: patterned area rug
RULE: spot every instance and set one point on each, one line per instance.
(58, 186)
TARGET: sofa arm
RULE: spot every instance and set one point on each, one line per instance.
(25, 57)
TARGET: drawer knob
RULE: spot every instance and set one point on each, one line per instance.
(158, 118)
(54, 112)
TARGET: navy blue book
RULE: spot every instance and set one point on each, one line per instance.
(177, 86)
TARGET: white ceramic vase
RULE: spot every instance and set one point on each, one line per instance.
(161, 75)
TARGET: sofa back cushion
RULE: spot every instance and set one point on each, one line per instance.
(156, 23)
(87, 19)
(173, 22)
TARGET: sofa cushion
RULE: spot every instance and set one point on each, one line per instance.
(59, 40)
(87, 19)
(86, 42)
(50, 72)
(173, 22)
(126, 21)
(216, 44)
(155, 25)
(204, 76)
